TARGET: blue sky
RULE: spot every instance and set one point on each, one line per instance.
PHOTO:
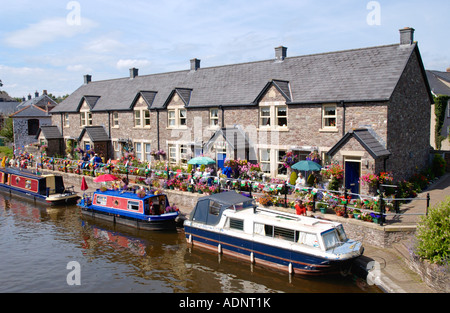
(51, 44)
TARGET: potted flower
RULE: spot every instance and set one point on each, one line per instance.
(265, 200)
(322, 207)
(339, 210)
(356, 213)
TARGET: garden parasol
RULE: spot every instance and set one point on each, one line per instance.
(105, 178)
(84, 185)
(201, 160)
(306, 165)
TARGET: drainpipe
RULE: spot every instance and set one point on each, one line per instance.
(157, 127)
(223, 117)
(343, 117)
(62, 125)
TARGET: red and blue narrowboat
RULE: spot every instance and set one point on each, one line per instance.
(232, 224)
(47, 189)
(142, 211)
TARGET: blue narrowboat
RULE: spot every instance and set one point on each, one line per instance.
(48, 189)
(142, 211)
(232, 224)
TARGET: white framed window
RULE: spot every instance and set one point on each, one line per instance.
(182, 117)
(183, 154)
(66, 120)
(281, 115)
(329, 116)
(115, 119)
(101, 200)
(264, 116)
(176, 117)
(171, 118)
(85, 118)
(147, 151)
(141, 117)
(281, 169)
(133, 205)
(264, 160)
(172, 154)
(138, 150)
(214, 117)
(273, 116)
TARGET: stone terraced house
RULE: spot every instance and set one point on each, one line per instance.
(368, 109)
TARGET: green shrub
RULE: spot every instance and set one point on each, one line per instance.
(293, 178)
(433, 234)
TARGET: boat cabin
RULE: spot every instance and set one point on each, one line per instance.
(209, 209)
(131, 202)
(28, 182)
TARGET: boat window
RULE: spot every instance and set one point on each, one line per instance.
(101, 200)
(236, 224)
(214, 208)
(341, 233)
(263, 230)
(133, 205)
(330, 239)
(284, 233)
(308, 239)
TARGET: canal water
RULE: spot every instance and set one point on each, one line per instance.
(38, 244)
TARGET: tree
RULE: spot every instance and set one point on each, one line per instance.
(7, 131)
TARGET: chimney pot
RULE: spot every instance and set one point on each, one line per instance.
(36, 94)
(280, 53)
(195, 64)
(87, 79)
(406, 36)
(133, 72)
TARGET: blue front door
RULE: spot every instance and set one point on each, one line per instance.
(221, 159)
(352, 174)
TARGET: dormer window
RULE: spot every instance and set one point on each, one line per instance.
(141, 117)
(85, 118)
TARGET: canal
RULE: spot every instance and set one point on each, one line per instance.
(37, 244)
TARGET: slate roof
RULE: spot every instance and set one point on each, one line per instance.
(435, 79)
(367, 74)
(41, 101)
(31, 111)
(95, 133)
(366, 139)
(49, 132)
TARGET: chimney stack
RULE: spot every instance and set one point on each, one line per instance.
(36, 94)
(448, 69)
(195, 64)
(44, 92)
(29, 97)
(406, 36)
(280, 53)
(87, 79)
(133, 72)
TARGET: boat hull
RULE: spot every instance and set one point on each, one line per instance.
(34, 197)
(290, 261)
(155, 224)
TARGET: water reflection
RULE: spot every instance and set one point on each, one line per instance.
(37, 242)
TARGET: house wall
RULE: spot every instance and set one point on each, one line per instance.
(408, 124)
(20, 125)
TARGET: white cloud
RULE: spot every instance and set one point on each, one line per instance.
(78, 68)
(129, 63)
(103, 45)
(47, 30)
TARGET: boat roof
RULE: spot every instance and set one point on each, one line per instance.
(285, 220)
(23, 173)
(228, 198)
(126, 194)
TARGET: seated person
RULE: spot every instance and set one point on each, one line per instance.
(300, 209)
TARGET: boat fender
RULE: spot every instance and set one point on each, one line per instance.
(219, 248)
(291, 270)
(190, 239)
(252, 257)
